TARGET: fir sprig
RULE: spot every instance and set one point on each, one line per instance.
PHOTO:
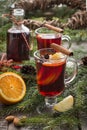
(78, 88)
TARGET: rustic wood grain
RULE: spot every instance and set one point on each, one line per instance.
(3, 124)
(12, 127)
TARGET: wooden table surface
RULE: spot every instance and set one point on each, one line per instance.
(5, 126)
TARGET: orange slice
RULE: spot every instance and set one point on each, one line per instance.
(56, 56)
(56, 59)
(12, 88)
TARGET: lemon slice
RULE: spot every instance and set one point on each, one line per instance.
(65, 104)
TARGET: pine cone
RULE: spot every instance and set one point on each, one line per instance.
(28, 69)
(84, 60)
(78, 20)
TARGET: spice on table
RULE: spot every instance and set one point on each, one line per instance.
(10, 118)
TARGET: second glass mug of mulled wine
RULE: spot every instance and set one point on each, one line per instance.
(51, 67)
(45, 37)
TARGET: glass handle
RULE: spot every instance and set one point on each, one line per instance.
(71, 70)
(68, 39)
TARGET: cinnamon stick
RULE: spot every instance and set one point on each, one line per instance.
(3, 57)
(57, 29)
(60, 48)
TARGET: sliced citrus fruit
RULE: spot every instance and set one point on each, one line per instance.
(56, 56)
(45, 78)
(65, 104)
(12, 88)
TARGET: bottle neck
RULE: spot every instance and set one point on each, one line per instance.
(18, 27)
(18, 17)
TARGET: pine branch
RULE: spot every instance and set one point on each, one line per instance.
(70, 118)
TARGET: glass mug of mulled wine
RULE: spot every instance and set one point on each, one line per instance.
(51, 67)
(45, 37)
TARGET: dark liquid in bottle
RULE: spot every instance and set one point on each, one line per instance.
(16, 46)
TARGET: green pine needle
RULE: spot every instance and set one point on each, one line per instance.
(78, 89)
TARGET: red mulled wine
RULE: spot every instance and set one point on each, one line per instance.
(17, 48)
(44, 40)
(50, 77)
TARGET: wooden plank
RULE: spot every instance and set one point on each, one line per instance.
(3, 124)
(67, 127)
(84, 123)
(12, 127)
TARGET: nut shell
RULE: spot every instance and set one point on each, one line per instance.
(9, 118)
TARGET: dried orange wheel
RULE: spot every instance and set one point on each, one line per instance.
(12, 88)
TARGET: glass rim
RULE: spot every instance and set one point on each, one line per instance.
(37, 56)
(50, 32)
(18, 12)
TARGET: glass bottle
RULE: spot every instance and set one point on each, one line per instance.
(18, 38)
